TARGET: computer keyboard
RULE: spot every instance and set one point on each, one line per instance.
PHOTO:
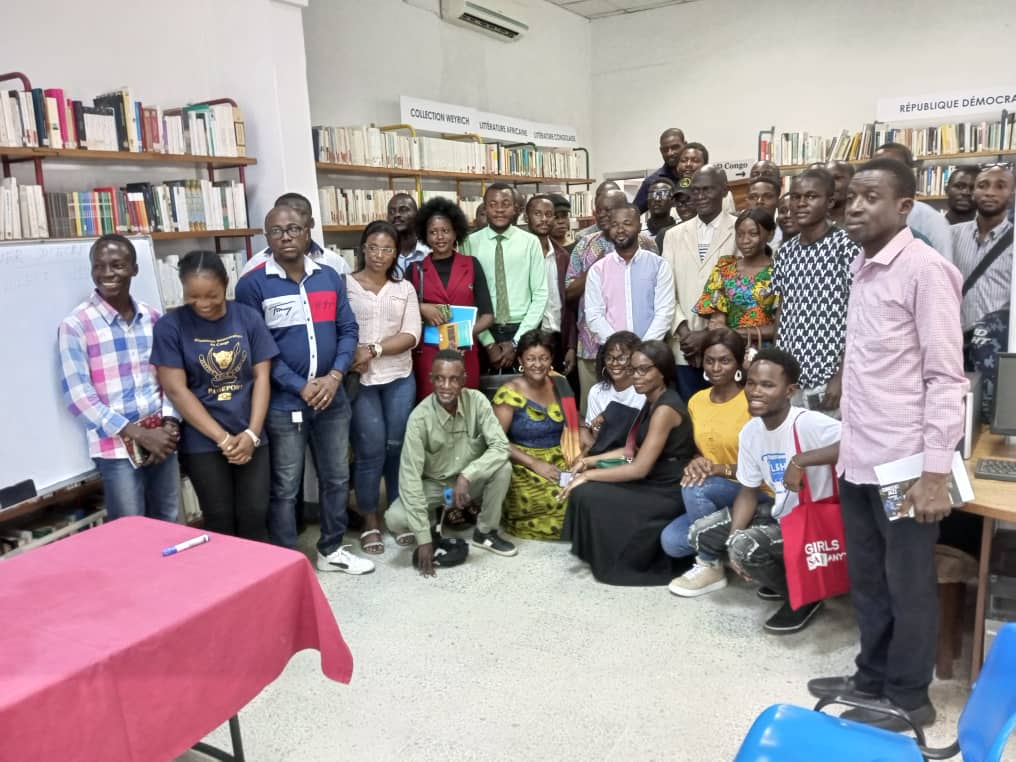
(996, 468)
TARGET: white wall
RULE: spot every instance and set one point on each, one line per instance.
(170, 54)
(725, 69)
(362, 55)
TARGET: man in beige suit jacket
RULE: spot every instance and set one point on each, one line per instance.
(691, 249)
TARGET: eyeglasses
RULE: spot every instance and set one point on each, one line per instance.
(642, 370)
(661, 194)
(371, 248)
(617, 359)
(993, 165)
(293, 231)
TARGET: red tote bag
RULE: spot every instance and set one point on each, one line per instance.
(814, 546)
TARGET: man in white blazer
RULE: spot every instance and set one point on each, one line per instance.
(691, 249)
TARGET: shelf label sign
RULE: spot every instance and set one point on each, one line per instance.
(506, 129)
(954, 103)
(434, 116)
(736, 169)
(556, 135)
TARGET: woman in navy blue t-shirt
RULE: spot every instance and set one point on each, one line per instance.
(214, 359)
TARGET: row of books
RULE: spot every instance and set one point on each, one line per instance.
(931, 181)
(169, 275)
(117, 122)
(173, 206)
(372, 147)
(22, 211)
(924, 142)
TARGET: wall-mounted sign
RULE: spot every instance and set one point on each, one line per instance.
(434, 116)
(979, 100)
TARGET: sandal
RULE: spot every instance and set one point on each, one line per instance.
(373, 547)
(405, 540)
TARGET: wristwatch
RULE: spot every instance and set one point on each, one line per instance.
(253, 437)
(376, 350)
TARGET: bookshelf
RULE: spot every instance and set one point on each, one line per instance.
(926, 144)
(393, 156)
(148, 154)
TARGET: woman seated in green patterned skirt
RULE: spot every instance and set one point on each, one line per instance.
(533, 409)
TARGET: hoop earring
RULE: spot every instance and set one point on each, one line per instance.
(738, 376)
(604, 373)
(705, 377)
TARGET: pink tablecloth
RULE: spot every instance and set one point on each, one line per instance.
(109, 651)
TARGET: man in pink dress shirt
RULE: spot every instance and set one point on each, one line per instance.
(903, 391)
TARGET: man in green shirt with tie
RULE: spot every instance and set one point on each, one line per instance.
(512, 261)
(453, 441)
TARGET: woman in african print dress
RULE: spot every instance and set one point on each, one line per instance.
(531, 410)
(739, 292)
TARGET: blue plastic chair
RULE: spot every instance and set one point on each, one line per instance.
(786, 733)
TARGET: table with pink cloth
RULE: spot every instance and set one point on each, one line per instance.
(110, 651)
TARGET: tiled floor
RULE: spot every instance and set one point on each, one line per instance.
(529, 658)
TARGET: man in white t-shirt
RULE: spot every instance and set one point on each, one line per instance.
(749, 533)
(322, 256)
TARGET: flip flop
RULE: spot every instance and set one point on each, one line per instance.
(405, 540)
(373, 547)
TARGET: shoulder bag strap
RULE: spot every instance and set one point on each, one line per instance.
(989, 259)
(805, 495)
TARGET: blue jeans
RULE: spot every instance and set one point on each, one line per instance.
(327, 433)
(714, 494)
(152, 491)
(380, 413)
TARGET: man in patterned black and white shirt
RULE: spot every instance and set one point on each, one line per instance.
(812, 277)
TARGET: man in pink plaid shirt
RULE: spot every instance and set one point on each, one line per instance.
(109, 384)
(903, 391)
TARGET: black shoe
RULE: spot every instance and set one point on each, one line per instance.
(494, 543)
(831, 687)
(768, 594)
(787, 619)
(922, 716)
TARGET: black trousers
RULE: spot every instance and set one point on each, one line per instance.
(234, 499)
(894, 591)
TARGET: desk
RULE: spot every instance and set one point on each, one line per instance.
(994, 500)
(110, 651)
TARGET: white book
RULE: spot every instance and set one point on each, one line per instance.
(6, 213)
(39, 203)
(5, 120)
(896, 477)
(25, 213)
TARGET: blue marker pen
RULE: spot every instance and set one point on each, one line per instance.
(200, 539)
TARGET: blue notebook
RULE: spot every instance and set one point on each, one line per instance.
(457, 332)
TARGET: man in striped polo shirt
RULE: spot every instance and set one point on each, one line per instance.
(305, 307)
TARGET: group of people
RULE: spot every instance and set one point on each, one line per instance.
(717, 362)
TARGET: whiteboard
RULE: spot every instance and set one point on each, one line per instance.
(41, 282)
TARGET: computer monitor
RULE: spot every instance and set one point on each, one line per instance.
(1004, 421)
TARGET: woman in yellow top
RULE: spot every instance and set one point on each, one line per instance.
(531, 413)
(717, 416)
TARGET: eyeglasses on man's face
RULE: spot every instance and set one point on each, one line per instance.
(293, 231)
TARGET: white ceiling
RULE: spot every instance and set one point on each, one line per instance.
(599, 9)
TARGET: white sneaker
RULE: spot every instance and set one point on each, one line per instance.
(342, 560)
(704, 577)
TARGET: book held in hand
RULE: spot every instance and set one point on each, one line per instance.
(136, 454)
(897, 477)
(457, 333)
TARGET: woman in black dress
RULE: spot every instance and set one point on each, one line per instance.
(615, 515)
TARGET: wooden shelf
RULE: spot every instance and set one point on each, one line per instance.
(342, 228)
(65, 495)
(124, 157)
(395, 173)
(232, 233)
(936, 157)
(174, 236)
